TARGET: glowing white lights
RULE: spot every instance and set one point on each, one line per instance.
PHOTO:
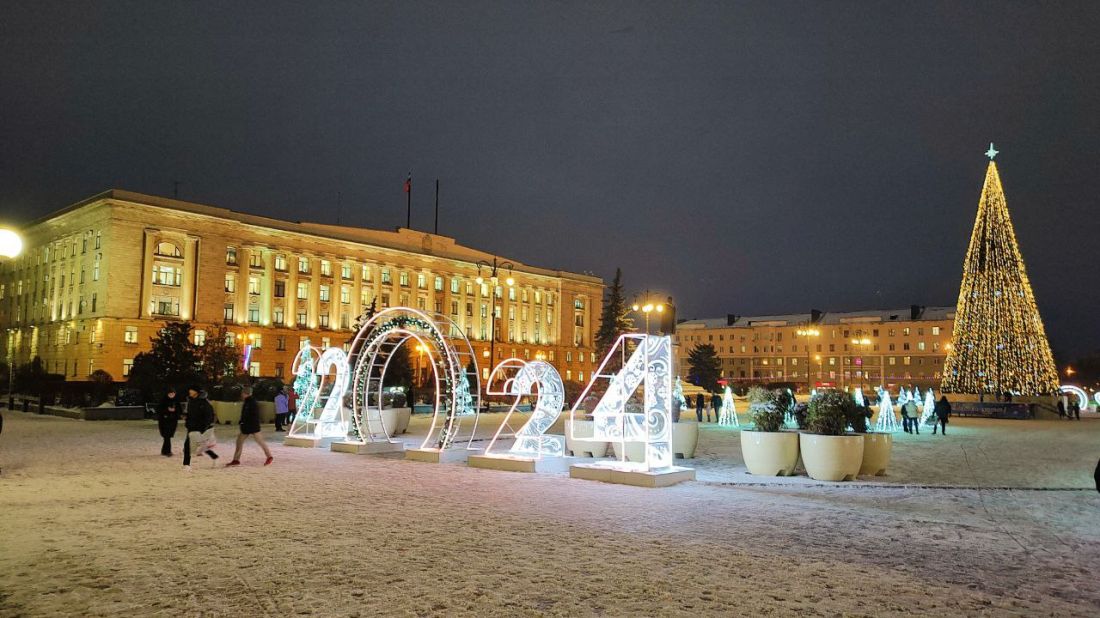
(519, 379)
(618, 417)
(1082, 397)
(887, 422)
(11, 244)
(728, 417)
(929, 407)
(333, 421)
(859, 397)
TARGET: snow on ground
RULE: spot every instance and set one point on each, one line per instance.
(93, 523)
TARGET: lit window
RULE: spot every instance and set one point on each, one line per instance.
(130, 335)
(386, 276)
(253, 285)
(404, 280)
(231, 256)
(127, 366)
(254, 315)
(303, 265)
(254, 369)
(200, 337)
(323, 318)
(163, 274)
(230, 283)
(935, 331)
(345, 294)
(345, 271)
(280, 262)
(303, 290)
(326, 268)
(277, 316)
(324, 293)
(454, 285)
(168, 249)
(255, 259)
(227, 313)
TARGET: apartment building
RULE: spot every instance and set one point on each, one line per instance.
(99, 278)
(827, 349)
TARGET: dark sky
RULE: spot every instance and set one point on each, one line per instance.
(748, 157)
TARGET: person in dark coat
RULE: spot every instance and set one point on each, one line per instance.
(200, 420)
(700, 403)
(1075, 410)
(168, 417)
(1061, 409)
(942, 411)
(250, 428)
(716, 403)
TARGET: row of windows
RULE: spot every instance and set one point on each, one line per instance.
(920, 346)
(846, 333)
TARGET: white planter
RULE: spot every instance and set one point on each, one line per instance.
(685, 437)
(831, 458)
(579, 442)
(396, 420)
(267, 411)
(770, 453)
(227, 412)
(876, 453)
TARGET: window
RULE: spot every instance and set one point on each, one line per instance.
(227, 313)
(98, 238)
(230, 283)
(345, 271)
(324, 293)
(386, 299)
(303, 290)
(254, 369)
(257, 341)
(920, 346)
(163, 274)
(277, 316)
(303, 265)
(279, 370)
(231, 256)
(345, 320)
(230, 339)
(907, 360)
(345, 295)
(421, 281)
(200, 337)
(935, 331)
(127, 366)
(255, 259)
(326, 268)
(164, 305)
(95, 267)
(93, 301)
(166, 249)
(130, 334)
(280, 289)
(324, 320)
(280, 262)
(439, 284)
(891, 361)
(254, 315)
(280, 343)
(386, 276)
(511, 293)
(253, 285)
(404, 280)
(578, 303)
(905, 331)
(366, 272)
(301, 318)
(454, 285)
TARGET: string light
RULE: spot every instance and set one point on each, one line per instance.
(887, 422)
(999, 344)
(728, 416)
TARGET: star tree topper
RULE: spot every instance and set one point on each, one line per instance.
(991, 152)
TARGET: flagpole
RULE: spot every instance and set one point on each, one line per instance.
(408, 201)
(436, 206)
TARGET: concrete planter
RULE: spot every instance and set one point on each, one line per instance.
(831, 458)
(583, 445)
(685, 437)
(396, 420)
(769, 453)
(876, 453)
(267, 411)
(227, 412)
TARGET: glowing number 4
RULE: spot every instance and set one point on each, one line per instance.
(531, 378)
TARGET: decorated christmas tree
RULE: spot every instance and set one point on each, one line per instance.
(464, 401)
(887, 422)
(929, 407)
(999, 344)
(729, 411)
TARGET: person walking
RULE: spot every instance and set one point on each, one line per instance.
(168, 418)
(282, 408)
(291, 407)
(699, 403)
(1075, 410)
(1061, 408)
(200, 427)
(716, 404)
(250, 428)
(912, 415)
(941, 411)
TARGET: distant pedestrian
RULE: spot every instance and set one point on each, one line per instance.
(716, 404)
(292, 407)
(168, 418)
(700, 402)
(282, 408)
(941, 411)
(911, 423)
(1075, 410)
(1061, 408)
(250, 428)
(200, 427)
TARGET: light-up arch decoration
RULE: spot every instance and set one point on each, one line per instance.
(518, 378)
(648, 365)
(1082, 397)
(457, 391)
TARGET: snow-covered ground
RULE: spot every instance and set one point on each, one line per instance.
(93, 522)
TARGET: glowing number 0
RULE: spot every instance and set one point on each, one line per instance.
(332, 422)
(530, 439)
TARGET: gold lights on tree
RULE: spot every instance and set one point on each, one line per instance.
(999, 344)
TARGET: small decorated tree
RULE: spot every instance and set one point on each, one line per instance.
(729, 411)
(887, 422)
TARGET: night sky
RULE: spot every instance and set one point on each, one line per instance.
(747, 157)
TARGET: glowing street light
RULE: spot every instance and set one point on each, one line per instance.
(11, 244)
(493, 267)
(646, 307)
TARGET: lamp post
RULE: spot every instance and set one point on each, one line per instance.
(493, 269)
(647, 306)
(860, 346)
(808, 332)
(420, 350)
(11, 245)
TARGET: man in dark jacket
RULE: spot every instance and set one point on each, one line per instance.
(942, 411)
(700, 403)
(200, 421)
(716, 403)
(168, 417)
(250, 428)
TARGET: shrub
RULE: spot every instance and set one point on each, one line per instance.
(765, 410)
(828, 413)
(858, 417)
(799, 414)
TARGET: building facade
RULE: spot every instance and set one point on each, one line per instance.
(98, 279)
(821, 350)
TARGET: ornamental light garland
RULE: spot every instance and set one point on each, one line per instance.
(999, 344)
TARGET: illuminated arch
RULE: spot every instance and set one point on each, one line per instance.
(457, 391)
(1082, 397)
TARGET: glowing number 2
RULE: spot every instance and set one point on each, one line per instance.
(332, 423)
(530, 439)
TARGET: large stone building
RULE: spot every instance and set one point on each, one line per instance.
(98, 279)
(818, 349)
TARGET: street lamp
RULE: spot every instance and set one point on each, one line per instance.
(11, 245)
(647, 306)
(808, 332)
(420, 349)
(860, 345)
(493, 268)
(1070, 372)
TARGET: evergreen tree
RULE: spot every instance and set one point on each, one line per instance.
(704, 367)
(999, 344)
(174, 358)
(221, 360)
(400, 370)
(614, 320)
